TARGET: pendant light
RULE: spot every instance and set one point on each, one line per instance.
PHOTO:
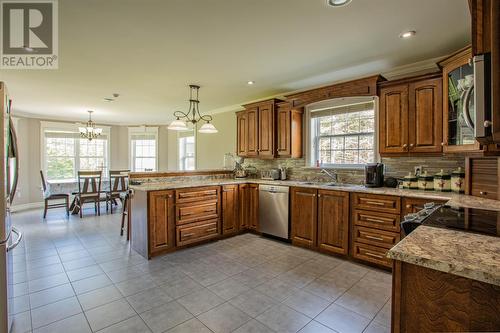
(193, 115)
(90, 132)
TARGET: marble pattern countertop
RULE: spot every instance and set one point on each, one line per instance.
(469, 255)
(464, 254)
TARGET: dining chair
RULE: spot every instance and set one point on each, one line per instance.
(48, 196)
(118, 185)
(89, 190)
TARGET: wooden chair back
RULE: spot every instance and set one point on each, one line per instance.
(89, 182)
(118, 181)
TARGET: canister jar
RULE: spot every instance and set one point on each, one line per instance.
(426, 182)
(442, 182)
(410, 182)
(458, 181)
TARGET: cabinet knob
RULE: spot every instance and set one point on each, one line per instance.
(411, 145)
(483, 193)
(405, 145)
(319, 195)
(408, 206)
(442, 143)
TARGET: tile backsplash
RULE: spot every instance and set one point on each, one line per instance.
(394, 167)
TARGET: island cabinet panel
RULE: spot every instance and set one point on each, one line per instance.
(230, 218)
(244, 198)
(393, 122)
(333, 221)
(426, 300)
(304, 209)
(161, 221)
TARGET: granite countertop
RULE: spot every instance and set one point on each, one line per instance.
(464, 254)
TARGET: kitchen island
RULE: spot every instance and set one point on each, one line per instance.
(446, 280)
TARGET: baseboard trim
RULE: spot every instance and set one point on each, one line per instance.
(27, 206)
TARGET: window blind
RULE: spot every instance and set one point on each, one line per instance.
(367, 106)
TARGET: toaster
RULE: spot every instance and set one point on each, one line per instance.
(271, 174)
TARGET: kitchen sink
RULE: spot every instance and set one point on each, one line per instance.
(329, 184)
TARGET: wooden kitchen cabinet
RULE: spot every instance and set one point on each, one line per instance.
(267, 129)
(161, 221)
(320, 219)
(482, 178)
(410, 116)
(304, 210)
(393, 123)
(242, 133)
(289, 136)
(230, 209)
(333, 221)
(248, 196)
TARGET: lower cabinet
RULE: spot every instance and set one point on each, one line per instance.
(320, 219)
(249, 207)
(197, 232)
(162, 221)
(230, 209)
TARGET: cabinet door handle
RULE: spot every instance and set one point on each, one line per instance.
(371, 219)
(376, 203)
(374, 255)
(483, 193)
(374, 238)
(188, 235)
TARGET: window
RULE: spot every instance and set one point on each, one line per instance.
(64, 152)
(186, 153)
(143, 148)
(343, 135)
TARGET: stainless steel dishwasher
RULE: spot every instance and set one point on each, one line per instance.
(273, 210)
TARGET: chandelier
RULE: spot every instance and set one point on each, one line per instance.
(90, 132)
(193, 115)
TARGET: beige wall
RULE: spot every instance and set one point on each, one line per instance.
(210, 151)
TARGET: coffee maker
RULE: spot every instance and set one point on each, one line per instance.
(374, 175)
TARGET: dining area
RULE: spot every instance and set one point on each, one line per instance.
(90, 188)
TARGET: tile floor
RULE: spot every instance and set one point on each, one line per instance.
(79, 275)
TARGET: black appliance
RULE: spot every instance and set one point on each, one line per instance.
(374, 175)
(479, 221)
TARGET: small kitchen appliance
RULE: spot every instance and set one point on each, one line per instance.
(374, 175)
(271, 174)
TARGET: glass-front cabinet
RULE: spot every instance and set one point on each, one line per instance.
(458, 103)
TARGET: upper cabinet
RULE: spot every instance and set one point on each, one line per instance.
(410, 116)
(269, 129)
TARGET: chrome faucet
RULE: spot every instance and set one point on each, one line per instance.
(333, 175)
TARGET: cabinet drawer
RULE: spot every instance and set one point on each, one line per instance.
(193, 213)
(197, 194)
(375, 237)
(381, 203)
(364, 218)
(373, 254)
(196, 232)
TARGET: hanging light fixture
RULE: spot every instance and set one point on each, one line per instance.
(193, 115)
(90, 132)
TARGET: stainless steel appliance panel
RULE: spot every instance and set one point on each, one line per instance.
(273, 210)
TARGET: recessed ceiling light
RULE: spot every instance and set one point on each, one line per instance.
(250, 83)
(337, 3)
(407, 34)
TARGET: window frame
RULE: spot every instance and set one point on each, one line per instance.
(183, 159)
(71, 128)
(142, 130)
(311, 144)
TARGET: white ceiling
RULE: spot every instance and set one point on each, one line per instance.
(150, 50)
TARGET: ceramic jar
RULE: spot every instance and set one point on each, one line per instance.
(458, 181)
(442, 182)
(410, 182)
(425, 182)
